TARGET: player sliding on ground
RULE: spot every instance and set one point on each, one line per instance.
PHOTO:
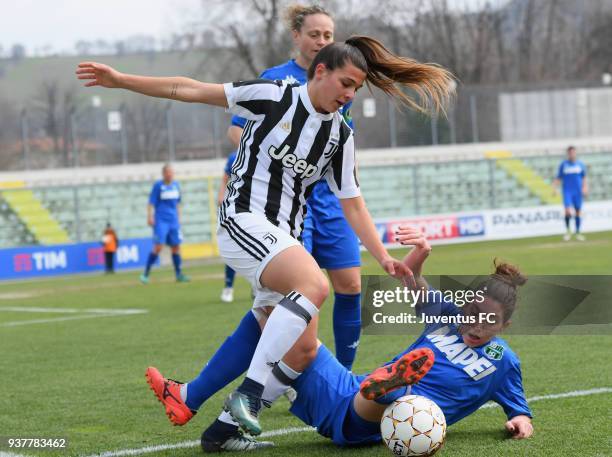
(294, 137)
(472, 366)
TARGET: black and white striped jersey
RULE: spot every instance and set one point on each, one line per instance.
(286, 147)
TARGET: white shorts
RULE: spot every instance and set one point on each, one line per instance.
(247, 242)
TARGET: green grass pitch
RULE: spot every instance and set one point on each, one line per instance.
(83, 377)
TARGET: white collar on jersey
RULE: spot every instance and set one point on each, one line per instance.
(303, 91)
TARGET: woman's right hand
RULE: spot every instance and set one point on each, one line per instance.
(99, 74)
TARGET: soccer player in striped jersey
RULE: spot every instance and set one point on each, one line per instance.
(227, 294)
(326, 235)
(294, 137)
(163, 215)
(572, 175)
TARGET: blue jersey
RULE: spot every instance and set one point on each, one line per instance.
(572, 175)
(464, 378)
(165, 198)
(461, 380)
(230, 162)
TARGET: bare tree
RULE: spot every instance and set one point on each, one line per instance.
(56, 104)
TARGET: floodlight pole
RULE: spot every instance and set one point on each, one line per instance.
(123, 135)
(25, 141)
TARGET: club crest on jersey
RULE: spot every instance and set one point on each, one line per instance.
(494, 351)
(288, 159)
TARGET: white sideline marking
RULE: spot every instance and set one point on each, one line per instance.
(10, 454)
(573, 393)
(81, 314)
(287, 431)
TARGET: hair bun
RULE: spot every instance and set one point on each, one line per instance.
(508, 273)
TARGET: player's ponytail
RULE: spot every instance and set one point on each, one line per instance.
(502, 286)
(433, 84)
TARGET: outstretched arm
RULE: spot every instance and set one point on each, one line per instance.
(173, 88)
(361, 222)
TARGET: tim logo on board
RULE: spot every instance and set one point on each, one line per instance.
(40, 261)
(471, 225)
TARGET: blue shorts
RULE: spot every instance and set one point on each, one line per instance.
(327, 235)
(572, 199)
(325, 392)
(167, 233)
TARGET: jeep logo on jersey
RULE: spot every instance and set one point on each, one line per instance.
(290, 160)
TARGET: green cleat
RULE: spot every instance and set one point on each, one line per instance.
(182, 278)
(244, 410)
(144, 279)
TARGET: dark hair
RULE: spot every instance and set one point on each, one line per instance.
(385, 70)
(296, 14)
(569, 148)
(502, 286)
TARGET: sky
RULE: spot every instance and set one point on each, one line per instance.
(60, 23)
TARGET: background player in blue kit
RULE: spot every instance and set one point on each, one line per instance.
(163, 214)
(472, 366)
(572, 175)
(227, 294)
(326, 235)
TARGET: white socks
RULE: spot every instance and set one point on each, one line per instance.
(285, 325)
(282, 378)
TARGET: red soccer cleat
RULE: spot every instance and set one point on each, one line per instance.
(168, 392)
(407, 370)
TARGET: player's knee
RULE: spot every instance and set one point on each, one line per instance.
(316, 289)
(349, 285)
(321, 288)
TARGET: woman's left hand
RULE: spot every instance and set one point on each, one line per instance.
(520, 427)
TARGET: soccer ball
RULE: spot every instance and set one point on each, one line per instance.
(413, 425)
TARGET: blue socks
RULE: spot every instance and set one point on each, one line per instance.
(355, 425)
(567, 222)
(176, 261)
(347, 327)
(150, 261)
(577, 224)
(230, 361)
(229, 277)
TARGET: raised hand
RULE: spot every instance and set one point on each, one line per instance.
(410, 236)
(99, 75)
